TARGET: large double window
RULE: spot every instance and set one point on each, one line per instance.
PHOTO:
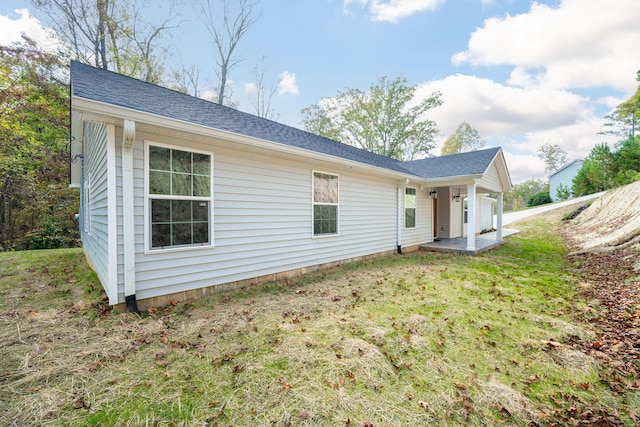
(179, 197)
(409, 207)
(325, 204)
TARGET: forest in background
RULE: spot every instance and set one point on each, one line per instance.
(37, 207)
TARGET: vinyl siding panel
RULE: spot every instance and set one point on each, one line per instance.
(263, 221)
(485, 219)
(95, 236)
(455, 218)
(423, 231)
(491, 179)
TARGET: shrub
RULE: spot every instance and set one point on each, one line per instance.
(48, 237)
(539, 199)
(563, 192)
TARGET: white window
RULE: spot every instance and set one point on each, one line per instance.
(325, 204)
(409, 207)
(179, 198)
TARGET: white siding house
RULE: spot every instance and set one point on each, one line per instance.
(181, 196)
(563, 177)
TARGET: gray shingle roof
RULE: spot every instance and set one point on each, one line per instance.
(111, 88)
(108, 87)
(463, 164)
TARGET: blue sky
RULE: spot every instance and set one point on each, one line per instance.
(522, 73)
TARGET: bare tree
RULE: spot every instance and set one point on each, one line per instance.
(227, 27)
(260, 96)
(109, 33)
(187, 80)
(82, 25)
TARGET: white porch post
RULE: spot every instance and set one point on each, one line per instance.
(471, 217)
(128, 222)
(499, 218)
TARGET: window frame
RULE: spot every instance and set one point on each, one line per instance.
(314, 204)
(415, 208)
(148, 235)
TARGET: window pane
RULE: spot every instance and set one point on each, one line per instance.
(180, 211)
(159, 158)
(325, 188)
(181, 234)
(181, 184)
(410, 218)
(200, 233)
(201, 164)
(159, 182)
(181, 161)
(160, 235)
(201, 186)
(410, 198)
(200, 211)
(325, 219)
(160, 211)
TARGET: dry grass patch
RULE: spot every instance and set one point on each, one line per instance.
(419, 339)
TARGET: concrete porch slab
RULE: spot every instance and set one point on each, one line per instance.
(484, 242)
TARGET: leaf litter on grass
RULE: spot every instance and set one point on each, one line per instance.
(404, 340)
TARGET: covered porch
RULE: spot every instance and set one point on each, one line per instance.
(467, 191)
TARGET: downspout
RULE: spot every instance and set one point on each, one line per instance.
(400, 216)
(128, 220)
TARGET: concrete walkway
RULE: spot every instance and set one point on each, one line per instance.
(485, 242)
(516, 216)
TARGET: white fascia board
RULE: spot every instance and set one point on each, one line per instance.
(449, 181)
(98, 110)
(502, 170)
(507, 178)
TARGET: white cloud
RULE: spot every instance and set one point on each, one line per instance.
(12, 30)
(495, 109)
(210, 95)
(393, 10)
(288, 84)
(250, 87)
(518, 119)
(578, 44)
(523, 167)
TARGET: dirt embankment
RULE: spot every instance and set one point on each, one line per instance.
(606, 240)
(611, 223)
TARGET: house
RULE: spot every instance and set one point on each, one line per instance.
(563, 178)
(181, 197)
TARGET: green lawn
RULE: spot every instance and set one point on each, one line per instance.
(416, 339)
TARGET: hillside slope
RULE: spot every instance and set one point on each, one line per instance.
(610, 223)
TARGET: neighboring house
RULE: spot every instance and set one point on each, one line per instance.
(181, 196)
(563, 177)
